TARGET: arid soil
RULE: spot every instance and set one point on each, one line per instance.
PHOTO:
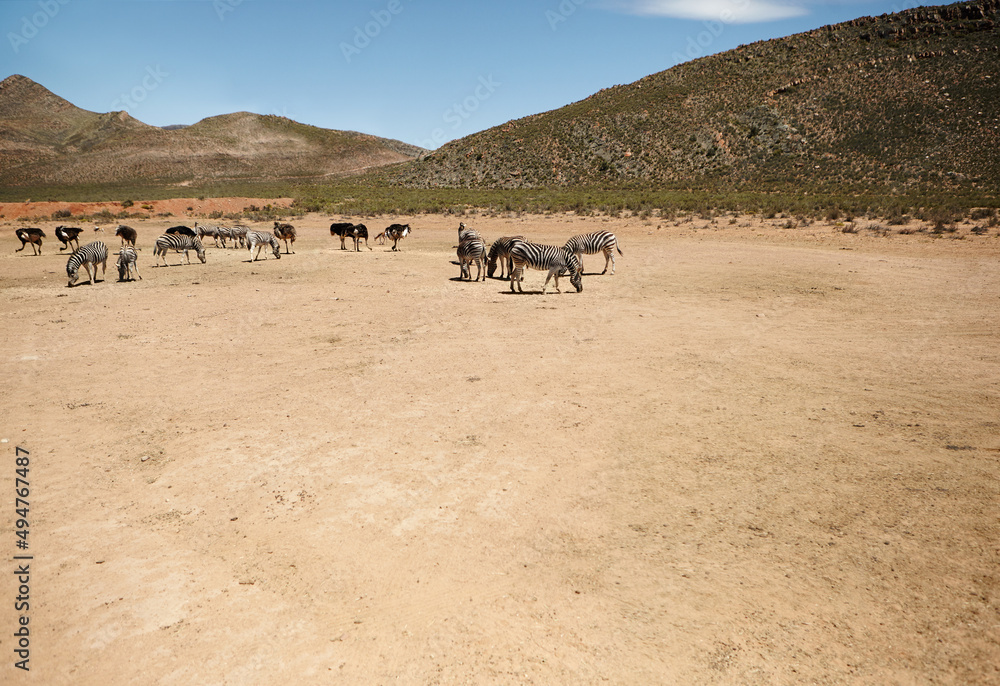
(754, 455)
(34, 211)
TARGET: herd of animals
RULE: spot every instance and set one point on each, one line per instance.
(511, 253)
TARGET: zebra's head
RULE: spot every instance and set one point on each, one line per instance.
(73, 272)
(276, 247)
(575, 270)
(491, 266)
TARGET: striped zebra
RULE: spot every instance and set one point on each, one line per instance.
(284, 232)
(465, 232)
(225, 233)
(201, 230)
(90, 255)
(239, 232)
(128, 264)
(178, 242)
(544, 257)
(500, 252)
(593, 243)
(258, 239)
(472, 249)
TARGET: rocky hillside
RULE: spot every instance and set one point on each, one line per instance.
(901, 101)
(45, 140)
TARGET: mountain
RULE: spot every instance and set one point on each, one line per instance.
(45, 140)
(901, 101)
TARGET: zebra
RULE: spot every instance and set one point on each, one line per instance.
(68, 235)
(555, 260)
(240, 235)
(177, 243)
(394, 233)
(33, 236)
(500, 252)
(258, 239)
(472, 249)
(90, 255)
(128, 263)
(201, 231)
(223, 233)
(464, 232)
(284, 232)
(593, 243)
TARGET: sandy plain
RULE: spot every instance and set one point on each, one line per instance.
(754, 455)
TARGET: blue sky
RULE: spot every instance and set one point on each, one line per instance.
(422, 71)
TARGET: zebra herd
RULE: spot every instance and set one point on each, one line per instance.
(512, 253)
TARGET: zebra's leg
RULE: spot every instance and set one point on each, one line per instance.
(104, 270)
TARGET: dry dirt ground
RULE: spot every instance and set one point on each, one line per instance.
(752, 456)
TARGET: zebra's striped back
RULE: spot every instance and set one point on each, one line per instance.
(500, 250)
(258, 239)
(90, 255)
(544, 257)
(472, 249)
(127, 263)
(593, 243)
(178, 242)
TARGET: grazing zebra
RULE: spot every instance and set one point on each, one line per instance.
(202, 230)
(258, 239)
(33, 236)
(127, 234)
(394, 233)
(500, 252)
(593, 243)
(177, 243)
(128, 260)
(555, 260)
(284, 232)
(356, 231)
(68, 234)
(472, 249)
(224, 233)
(239, 232)
(89, 256)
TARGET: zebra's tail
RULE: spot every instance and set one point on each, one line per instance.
(619, 248)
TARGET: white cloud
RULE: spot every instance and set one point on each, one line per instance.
(729, 11)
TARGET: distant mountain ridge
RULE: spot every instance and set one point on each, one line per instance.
(901, 101)
(46, 140)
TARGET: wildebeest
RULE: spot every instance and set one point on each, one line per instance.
(284, 232)
(355, 231)
(181, 231)
(33, 236)
(68, 234)
(127, 234)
